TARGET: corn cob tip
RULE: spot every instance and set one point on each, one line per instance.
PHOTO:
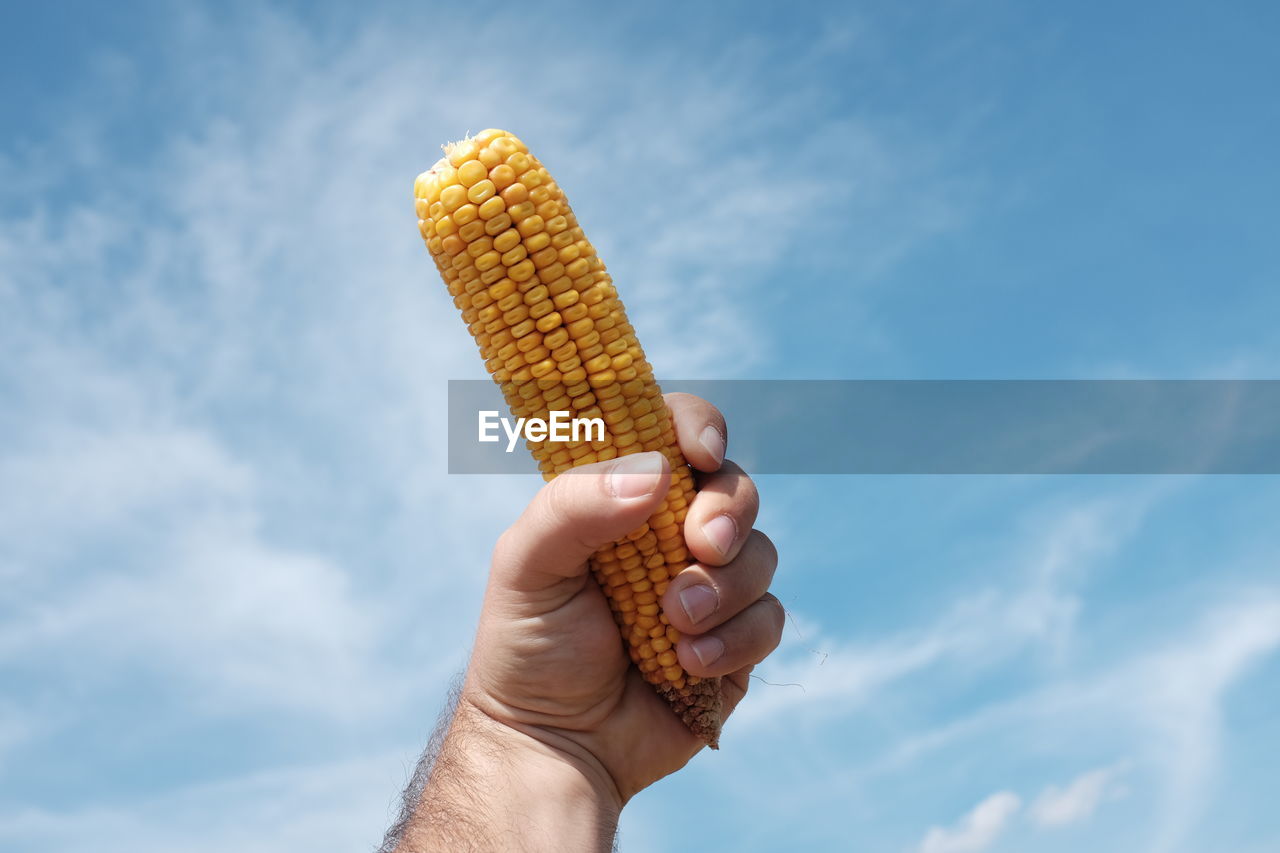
(699, 706)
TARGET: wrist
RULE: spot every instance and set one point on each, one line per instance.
(496, 787)
(543, 753)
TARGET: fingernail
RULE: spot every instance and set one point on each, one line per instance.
(720, 532)
(708, 649)
(699, 601)
(713, 442)
(636, 476)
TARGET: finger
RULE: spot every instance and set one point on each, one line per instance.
(702, 597)
(733, 687)
(576, 514)
(721, 515)
(700, 430)
(746, 639)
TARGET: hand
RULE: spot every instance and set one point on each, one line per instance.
(548, 659)
(550, 688)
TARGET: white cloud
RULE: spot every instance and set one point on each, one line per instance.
(1178, 693)
(180, 579)
(1078, 800)
(245, 623)
(980, 630)
(1157, 693)
(1163, 704)
(977, 830)
(326, 807)
(84, 477)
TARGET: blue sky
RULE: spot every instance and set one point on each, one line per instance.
(235, 580)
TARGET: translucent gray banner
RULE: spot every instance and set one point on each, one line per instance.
(952, 426)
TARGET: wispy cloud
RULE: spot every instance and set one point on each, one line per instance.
(1158, 696)
(340, 805)
(1163, 702)
(1178, 695)
(1079, 799)
(1037, 609)
(977, 830)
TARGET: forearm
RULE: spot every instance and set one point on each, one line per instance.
(491, 788)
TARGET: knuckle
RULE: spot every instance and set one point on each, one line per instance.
(555, 503)
(776, 613)
(730, 471)
(750, 494)
(561, 510)
(735, 483)
(740, 679)
(679, 398)
(759, 542)
(504, 549)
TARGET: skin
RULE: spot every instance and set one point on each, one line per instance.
(554, 730)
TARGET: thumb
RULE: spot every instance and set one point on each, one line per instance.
(575, 515)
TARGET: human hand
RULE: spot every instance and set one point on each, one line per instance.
(551, 701)
(547, 656)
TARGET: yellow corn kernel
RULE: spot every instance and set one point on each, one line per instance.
(472, 172)
(453, 197)
(492, 208)
(481, 191)
(461, 152)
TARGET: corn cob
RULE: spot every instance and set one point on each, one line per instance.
(555, 337)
